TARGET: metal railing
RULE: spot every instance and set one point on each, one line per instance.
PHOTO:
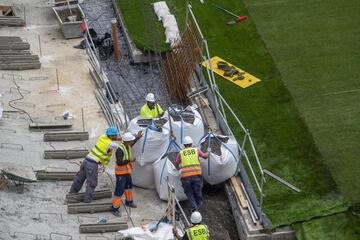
(114, 112)
(247, 141)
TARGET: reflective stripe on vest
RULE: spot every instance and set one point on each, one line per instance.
(190, 165)
(145, 111)
(124, 169)
(198, 232)
(99, 151)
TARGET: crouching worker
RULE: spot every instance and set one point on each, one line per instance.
(99, 156)
(123, 170)
(197, 231)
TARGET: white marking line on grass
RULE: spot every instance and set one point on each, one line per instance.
(340, 92)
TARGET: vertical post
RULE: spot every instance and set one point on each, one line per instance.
(115, 38)
(262, 197)
(82, 118)
(57, 80)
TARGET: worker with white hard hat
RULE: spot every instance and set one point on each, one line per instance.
(197, 231)
(151, 109)
(188, 162)
(123, 169)
(98, 157)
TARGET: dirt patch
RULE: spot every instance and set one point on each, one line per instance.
(216, 212)
(187, 116)
(215, 144)
(65, 13)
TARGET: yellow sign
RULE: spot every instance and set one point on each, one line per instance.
(235, 75)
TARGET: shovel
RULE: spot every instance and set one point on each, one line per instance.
(238, 18)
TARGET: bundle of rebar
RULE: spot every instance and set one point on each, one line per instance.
(15, 54)
(179, 65)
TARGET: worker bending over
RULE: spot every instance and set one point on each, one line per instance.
(151, 109)
(99, 156)
(197, 231)
(191, 179)
(123, 170)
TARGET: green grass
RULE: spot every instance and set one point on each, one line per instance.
(283, 140)
(315, 45)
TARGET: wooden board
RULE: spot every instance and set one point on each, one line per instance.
(238, 192)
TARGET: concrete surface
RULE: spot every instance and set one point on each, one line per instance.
(40, 211)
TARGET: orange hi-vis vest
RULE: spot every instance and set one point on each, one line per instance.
(127, 168)
(190, 164)
(99, 151)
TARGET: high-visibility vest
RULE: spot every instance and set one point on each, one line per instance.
(146, 112)
(198, 232)
(127, 168)
(99, 151)
(190, 164)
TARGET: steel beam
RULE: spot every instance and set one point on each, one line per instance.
(49, 125)
(65, 154)
(65, 136)
(92, 207)
(102, 228)
(79, 197)
(55, 176)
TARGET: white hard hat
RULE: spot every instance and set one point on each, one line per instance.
(127, 137)
(196, 217)
(187, 140)
(150, 97)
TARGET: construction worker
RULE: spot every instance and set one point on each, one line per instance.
(123, 170)
(191, 179)
(197, 231)
(151, 109)
(98, 157)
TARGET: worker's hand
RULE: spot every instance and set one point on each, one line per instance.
(139, 134)
(133, 160)
(173, 137)
(101, 168)
(175, 233)
(118, 137)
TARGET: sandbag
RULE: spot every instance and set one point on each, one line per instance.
(151, 146)
(143, 176)
(194, 129)
(164, 168)
(222, 165)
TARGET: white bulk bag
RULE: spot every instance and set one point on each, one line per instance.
(194, 130)
(171, 36)
(164, 168)
(151, 146)
(162, 13)
(143, 176)
(169, 20)
(221, 167)
(160, 5)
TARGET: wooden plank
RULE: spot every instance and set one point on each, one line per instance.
(65, 154)
(89, 207)
(66, 136)
(238, 192)
(79, 197)
(102, 227)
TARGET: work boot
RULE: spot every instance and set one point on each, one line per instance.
(131, 204)
(116, 212)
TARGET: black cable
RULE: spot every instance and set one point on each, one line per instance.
(21, 111)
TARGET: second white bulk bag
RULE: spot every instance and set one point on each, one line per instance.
(182, 126)
(223, 159)
(152, 145)
(164, 168)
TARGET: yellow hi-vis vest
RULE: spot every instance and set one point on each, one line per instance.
(146, 112)
(190, 164)
(124, 169)
(198, 232)
(99, 151)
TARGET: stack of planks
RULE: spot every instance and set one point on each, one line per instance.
(15, 54)
(10, 17)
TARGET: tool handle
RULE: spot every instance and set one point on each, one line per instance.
(242, 18)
